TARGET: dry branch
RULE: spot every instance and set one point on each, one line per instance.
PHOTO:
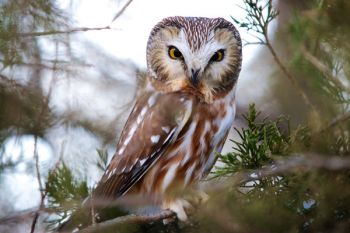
(129, 219)
(291, 78)
(293, 163)
(337, 120)
(323, 68)
(121, 11)
(55, 32)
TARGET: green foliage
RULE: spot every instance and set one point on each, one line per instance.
(259, 14)
(65, 194)
(258, 143)
(296, 200)
(311, 201)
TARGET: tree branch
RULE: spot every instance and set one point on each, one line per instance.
(291, 78)
(323, 68)
(129, 219)
(121, 11)
(44, 108)
(338, 120)
(43, 193)
(294, 162)
(55, 32)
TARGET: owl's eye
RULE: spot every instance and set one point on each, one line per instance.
(174, 53)
(218, 56)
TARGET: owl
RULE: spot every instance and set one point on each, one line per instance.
(182, 118)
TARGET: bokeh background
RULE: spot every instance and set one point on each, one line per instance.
(69, 73)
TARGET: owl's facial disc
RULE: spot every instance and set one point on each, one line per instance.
(195, 54)
(195, 66)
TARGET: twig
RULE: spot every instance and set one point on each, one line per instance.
(284, 69)
(121, 11)
(292, 163)
(44, 107)
(258, 22)
(81, 29)
(129, 219)
(339, 119)
(323, 68)
(38, 65)
(92, 209)
(54, 32)
(42, 191)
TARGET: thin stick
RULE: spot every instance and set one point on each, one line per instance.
(44, 107)
(129, 219)
(42, 192)
(55, 32)
(291, 78)
(121, 11)
(338, 120)
(292, 163)
(323, 68)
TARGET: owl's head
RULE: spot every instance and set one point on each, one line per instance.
(193, 54)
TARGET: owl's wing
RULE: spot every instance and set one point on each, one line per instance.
(152, 126)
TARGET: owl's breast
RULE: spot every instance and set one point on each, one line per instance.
(193, 153)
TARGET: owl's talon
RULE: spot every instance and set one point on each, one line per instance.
(180, 207)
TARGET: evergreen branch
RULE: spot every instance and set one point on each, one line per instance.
(128, 219)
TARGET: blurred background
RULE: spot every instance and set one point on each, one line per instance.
(69, 72)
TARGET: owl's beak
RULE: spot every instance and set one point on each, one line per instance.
(194, 77)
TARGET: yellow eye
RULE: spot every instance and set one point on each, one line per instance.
(218, 56)
(174, 53)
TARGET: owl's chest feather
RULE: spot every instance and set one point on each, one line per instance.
(193, 154)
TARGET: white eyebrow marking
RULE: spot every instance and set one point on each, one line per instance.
(155, 138)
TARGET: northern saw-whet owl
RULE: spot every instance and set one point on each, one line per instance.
(181, 120)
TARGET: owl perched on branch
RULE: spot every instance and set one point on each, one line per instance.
(183, 117)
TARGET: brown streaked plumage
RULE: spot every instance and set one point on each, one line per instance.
(183, 117)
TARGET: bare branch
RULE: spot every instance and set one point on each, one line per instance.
(121, 11)
(42, 192)
(323, 68)
(44, 108)
(291, 78)
(338, 120)
(302, 162)
(55, 32)
(129, 219)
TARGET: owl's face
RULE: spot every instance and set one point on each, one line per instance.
(198, 55)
